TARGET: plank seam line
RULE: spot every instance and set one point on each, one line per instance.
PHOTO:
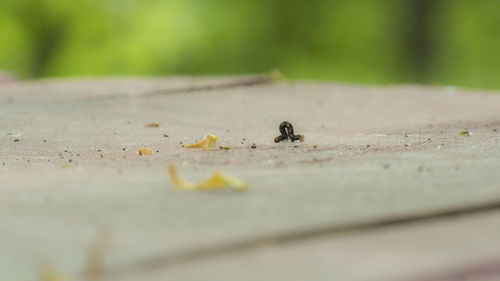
(260, 80)
(167, 260)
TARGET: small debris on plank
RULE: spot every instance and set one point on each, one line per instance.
(165, 135)
(145, 151)
(217, 181)
(152, 125)
(14, 135)
(208, 142)
(225, 147)
(465, 133)
(16, 140)
(253, 146)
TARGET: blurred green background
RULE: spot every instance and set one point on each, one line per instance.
(446, 42)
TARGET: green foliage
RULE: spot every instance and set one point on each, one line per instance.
(362, 41)
(467, 39)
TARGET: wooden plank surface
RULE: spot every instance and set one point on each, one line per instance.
(370, 153)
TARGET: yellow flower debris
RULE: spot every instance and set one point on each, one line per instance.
(226, 147)
(14, 135)
(465, 133)
(145, 151)
(94, 265)
(208, 142)
(50, 274)
(216, 182)
(152, 125)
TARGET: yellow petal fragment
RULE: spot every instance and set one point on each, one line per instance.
(14, 135)
(50, 274)
(152, 125)
(465, 133)
(178, 182)
(217, 181)
(208, 142)
(94, 266)
(145, 151)
(226, 147)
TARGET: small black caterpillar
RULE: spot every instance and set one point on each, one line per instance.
(286, 130)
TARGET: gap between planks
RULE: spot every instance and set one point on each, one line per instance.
(247, 82)
(167, 260)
